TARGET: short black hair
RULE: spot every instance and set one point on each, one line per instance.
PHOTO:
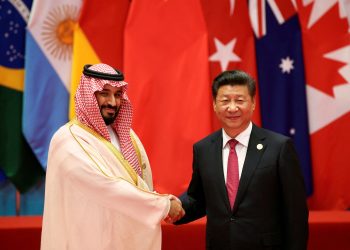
(232, 78)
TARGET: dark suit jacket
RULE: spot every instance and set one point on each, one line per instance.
(270, 210)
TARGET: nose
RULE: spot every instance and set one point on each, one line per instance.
(112, 100)
(232, 106)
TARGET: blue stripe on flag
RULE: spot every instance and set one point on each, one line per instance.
(283, 94)
(2, 176)
(45, 100)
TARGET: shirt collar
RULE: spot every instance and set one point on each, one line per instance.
(242, 138)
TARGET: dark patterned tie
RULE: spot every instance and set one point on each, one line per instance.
(232, 179)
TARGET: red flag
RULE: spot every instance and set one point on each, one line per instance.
(326, 43)
(165, 62)
(231, 40)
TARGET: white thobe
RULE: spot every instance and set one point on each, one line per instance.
(92, 202)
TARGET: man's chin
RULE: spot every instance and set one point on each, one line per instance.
(109, 117)
(109, 120)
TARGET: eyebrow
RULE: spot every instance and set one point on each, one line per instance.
(108, 90)
(229, 95)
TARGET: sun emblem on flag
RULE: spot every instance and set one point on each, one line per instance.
(58, 29)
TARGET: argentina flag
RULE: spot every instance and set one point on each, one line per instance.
(49, 42)
(281, 75)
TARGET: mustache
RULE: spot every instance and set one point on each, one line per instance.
(109, 106)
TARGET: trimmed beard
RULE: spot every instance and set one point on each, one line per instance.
(109, 119)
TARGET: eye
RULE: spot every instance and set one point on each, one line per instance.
(103, 94)
(119, 94)
(224, 101)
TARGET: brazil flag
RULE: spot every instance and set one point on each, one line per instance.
(16, 158)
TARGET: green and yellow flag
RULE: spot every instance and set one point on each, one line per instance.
(16, 158)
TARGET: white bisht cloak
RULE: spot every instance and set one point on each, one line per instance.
(92, 201)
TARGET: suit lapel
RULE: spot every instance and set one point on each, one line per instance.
(254, 153)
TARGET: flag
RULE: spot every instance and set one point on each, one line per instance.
(231, 42)
(98, 37)
(2, 176)
(16, 158)
(49, 42)
(166, 66)
(326, 43)
(281, 76)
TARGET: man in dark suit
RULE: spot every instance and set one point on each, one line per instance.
(266, 190)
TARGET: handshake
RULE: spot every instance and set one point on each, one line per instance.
(176, 212)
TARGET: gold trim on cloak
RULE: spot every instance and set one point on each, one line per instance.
(112, 148)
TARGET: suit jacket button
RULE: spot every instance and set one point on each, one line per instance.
(233, 219)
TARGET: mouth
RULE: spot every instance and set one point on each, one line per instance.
(110, 110)
(232, 117)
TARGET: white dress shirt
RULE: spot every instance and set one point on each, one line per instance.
(241, 148)
(114, 138)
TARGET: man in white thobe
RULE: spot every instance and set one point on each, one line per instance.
(99, 192)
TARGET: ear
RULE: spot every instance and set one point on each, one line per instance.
(253, 103)
(214, 105)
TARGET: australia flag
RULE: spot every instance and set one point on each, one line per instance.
(281, 76)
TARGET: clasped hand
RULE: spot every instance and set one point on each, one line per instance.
(176, 211)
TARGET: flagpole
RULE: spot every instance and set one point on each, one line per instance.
(18, 202)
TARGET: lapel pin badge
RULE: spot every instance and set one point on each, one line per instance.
(259, 146)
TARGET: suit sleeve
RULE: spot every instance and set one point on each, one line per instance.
(294, 199)
(193, 200)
